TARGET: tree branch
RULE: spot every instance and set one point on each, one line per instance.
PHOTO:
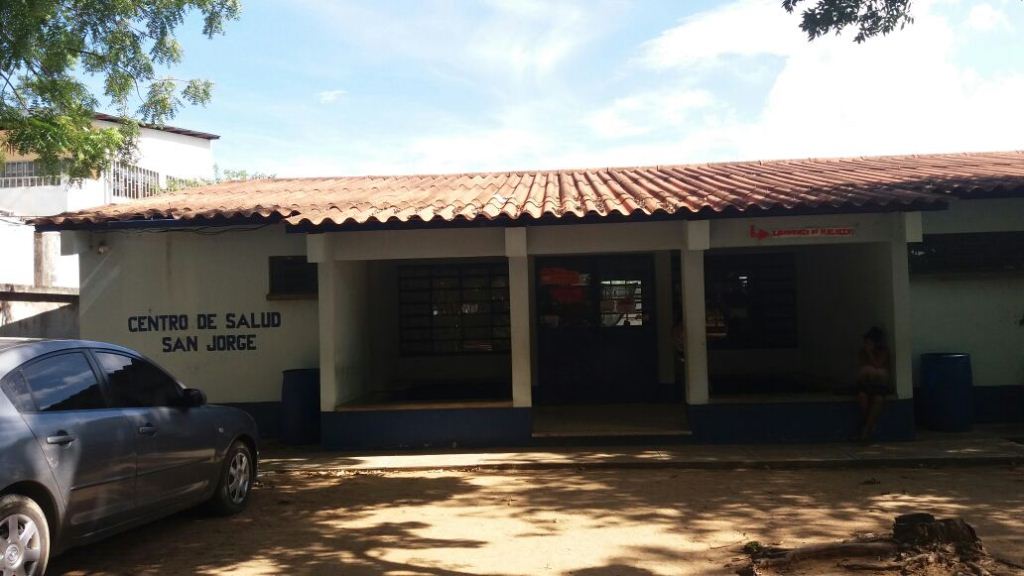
(7, 83)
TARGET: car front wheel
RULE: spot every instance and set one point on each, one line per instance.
(24, 537)
(236, 479)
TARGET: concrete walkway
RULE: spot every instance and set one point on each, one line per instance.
(984, 447)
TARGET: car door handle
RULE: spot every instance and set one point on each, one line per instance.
(147, 430)
(61, 439)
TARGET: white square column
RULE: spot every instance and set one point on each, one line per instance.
(343, 321)
(694, 319)
(698, 239)
(319, 250)
(901, 356)
(520, 315)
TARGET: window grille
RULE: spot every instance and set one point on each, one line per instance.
(128, 181)
(292, 276)
(26, 173)
(751, 301)
(453, 309)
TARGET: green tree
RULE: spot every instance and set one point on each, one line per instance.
(48, 48)
(869, 17)
(219, 176)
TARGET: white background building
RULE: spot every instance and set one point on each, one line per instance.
(35, 278)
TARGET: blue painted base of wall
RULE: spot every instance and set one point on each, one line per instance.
(787, 422)
(995, 404)
(373, 429)
(796, 422)
(266, 414)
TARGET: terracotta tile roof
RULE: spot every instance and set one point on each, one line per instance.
(872, 183)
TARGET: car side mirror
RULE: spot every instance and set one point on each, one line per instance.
(193, 398)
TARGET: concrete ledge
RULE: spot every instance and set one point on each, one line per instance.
(24, 293)
(994, 404)
(422, 428)
(796, 422)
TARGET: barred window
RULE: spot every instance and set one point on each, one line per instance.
(128, 181)
(26, 173)
(20, 169)
(453, 309)
(292, 277)
(982, 252)
(751, 301)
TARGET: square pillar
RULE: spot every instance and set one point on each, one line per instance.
(901, 337)
(696, 355)
(520, 315)
(326, 287)
(343, 320)
(351, 328)
(664, 321)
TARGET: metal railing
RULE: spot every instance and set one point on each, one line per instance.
(132, 182)
(121, 182)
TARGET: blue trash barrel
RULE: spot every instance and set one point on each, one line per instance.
(300, 406)
(947, 392)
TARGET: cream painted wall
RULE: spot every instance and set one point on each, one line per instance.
(976, 314)
(183, 272)
(995, 215)
(980, 316)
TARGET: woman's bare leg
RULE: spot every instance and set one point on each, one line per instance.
(871, 418)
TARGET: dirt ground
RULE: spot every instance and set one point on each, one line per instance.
(584, 522)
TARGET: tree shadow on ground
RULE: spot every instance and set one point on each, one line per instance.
(426, 523)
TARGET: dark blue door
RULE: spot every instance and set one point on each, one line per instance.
(597, 342)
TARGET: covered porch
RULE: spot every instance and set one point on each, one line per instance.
(506, 335)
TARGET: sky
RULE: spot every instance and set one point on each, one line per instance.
(339, 87)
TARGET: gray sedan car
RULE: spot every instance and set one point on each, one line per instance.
(95, 439)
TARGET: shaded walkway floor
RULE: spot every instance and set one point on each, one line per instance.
(986, 446)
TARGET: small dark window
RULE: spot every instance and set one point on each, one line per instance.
(292, 277)
(751, 301)
(64, 382)
(453, 309)
(622, 303)
(987, 252)
(135, 383)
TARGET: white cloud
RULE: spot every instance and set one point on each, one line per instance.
(986, 18)
(743, 28)
(329, 96)
(904, 93)
(498, 41)
(908, 92)
(648, 112)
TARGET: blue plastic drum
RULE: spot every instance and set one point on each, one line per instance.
(300, 406)
(947, 392)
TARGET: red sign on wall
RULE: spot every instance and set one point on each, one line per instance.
(805, 232)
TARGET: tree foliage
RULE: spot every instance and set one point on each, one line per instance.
(869, 17)
(49, 48)
(219, 176)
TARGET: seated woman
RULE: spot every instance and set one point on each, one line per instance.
(873, 380)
